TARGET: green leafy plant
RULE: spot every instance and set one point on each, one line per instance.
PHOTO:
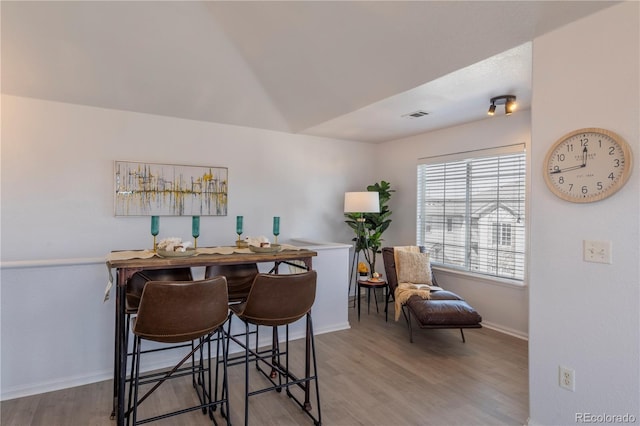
(368, 237)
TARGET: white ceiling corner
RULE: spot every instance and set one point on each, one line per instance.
(345, 69)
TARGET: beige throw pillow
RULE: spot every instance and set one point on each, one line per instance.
(413, 267)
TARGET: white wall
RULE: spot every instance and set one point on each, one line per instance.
(502, 306)
(585, 315)
(58, 223)
(57, 178)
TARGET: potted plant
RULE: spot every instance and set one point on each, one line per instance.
(368, 237)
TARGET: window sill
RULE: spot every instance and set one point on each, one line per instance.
(503, 282)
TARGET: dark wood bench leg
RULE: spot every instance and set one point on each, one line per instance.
(462, 334)
(375, 297)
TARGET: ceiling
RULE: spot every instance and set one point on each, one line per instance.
(338, 69)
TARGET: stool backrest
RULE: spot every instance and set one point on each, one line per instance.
(280, 299)
(180, 311)
(136, 283)
(239, 278)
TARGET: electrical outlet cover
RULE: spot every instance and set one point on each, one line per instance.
(597, 251)
(567, 378)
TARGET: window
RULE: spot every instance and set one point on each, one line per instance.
(478, 198)
(501, 234)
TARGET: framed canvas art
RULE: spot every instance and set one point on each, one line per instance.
(147, 189)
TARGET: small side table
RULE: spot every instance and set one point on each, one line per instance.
(373, 285)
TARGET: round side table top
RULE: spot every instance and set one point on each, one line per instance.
(370, 283)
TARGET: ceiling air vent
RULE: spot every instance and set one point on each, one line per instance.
(416, 114)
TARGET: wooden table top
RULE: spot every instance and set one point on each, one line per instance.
(209, 259)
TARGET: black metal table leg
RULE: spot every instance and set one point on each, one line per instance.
(358, 296)
(307, 363)
(375, 297)
(122, 350)
(386, 303)
(116, 360)
(368, 298)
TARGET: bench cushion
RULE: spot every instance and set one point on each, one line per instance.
(443, 309)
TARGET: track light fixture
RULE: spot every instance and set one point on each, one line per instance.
(509, 102)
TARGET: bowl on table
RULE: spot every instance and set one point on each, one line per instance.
(273, 248)
(170, 253)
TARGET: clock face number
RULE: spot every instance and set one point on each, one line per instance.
(587, 165)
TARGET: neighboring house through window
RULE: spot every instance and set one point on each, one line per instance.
(471, 210)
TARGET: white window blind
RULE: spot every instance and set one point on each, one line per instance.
(471, 210)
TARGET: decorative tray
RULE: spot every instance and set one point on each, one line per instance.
(188, 253)
(273, 249)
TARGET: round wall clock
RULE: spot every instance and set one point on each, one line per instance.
(587, 165)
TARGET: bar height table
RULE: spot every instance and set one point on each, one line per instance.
(127, 267)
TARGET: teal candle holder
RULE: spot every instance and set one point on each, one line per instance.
(276, 228)
(195, 230)
(155, 230)
(239, 220)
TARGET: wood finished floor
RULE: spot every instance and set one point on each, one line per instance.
(368, 375)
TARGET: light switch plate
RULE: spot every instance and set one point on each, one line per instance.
(597, 251)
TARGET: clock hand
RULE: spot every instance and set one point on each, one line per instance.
(584, 156)
(579, 166)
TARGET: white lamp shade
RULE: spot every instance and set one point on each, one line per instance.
(361, 202)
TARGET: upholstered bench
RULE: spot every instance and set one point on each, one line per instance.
(443, 309)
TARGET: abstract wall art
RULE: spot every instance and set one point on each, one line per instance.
(147, 189)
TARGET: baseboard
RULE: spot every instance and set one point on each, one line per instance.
(331, 329)
(56, 385)
(506, 330)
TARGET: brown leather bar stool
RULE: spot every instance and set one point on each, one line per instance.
(239, 279)
(280, 300)
(135, 286)
(178, 312)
